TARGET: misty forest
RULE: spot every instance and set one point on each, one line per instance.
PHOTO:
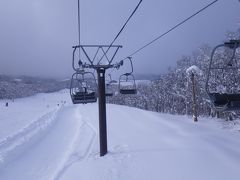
(172, 92)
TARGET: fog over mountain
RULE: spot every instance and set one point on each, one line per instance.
(37, 35)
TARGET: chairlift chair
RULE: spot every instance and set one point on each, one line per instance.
(127, 83)
(227, 98)
(82, 89)
(109, 86)
(109, 92)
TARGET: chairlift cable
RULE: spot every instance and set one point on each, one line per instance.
(171, 29)
(79, 30)
(121, 30)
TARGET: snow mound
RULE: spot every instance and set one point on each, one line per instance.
(194, 69)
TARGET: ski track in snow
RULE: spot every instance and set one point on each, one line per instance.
(13, 149)
(10, 145)
(81, 147)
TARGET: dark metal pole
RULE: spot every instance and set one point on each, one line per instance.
(102, 111)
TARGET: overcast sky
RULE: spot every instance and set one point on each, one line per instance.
(36, 36)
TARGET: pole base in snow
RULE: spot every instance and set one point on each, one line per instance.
(195, 118)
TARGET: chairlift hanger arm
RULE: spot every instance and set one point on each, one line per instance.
(130, 59)
(231, 59)
(71, 84)
(210, 66)
(73, 62)
(117, 65)
(214, 50)
(232, 44)
(129, 73)
(110, 76)
(73, 59)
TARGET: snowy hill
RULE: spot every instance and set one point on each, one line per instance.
(12, 87)
(46, 137)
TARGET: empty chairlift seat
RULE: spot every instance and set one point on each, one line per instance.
(127, 84)
(84, 98)
(128, 91)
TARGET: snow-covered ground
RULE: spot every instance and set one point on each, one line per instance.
(46, 137)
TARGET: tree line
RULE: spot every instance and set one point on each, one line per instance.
(172, 93)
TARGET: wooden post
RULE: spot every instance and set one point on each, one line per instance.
(194, 98)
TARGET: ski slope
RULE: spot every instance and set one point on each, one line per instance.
(45, 137)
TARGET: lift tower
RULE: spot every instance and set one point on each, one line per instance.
(100, 68)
